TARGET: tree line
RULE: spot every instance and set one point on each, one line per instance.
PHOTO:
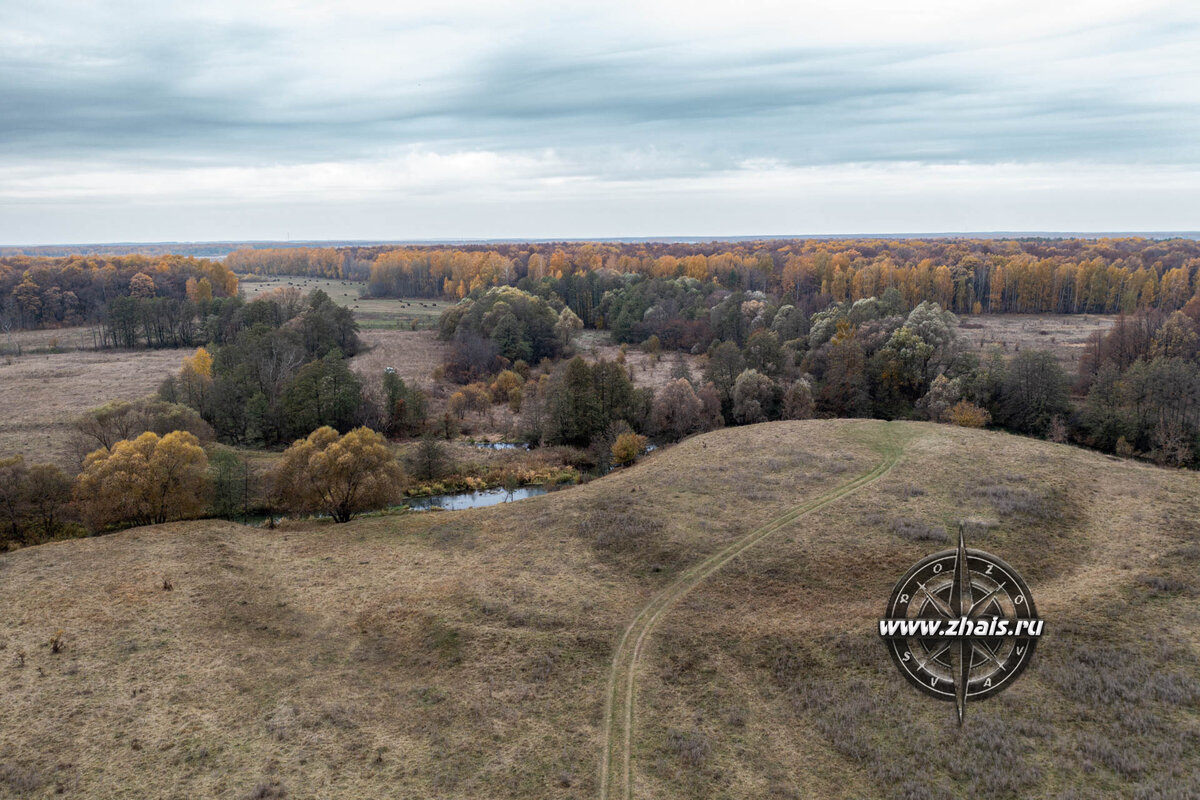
(41, 292)
(150, 479)
(962, 275)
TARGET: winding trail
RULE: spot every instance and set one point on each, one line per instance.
(616, 776)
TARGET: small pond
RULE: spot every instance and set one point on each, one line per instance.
(464, 500)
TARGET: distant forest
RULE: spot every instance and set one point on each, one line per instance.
(44, 292)
(637, 289)
(1067, 276)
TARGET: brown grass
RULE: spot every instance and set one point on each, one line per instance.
(1062, 334)
(41, 394)
(413, 354)
(646, 370)
(372, 313)
(465, 654)
(76, 338)
(776, 661)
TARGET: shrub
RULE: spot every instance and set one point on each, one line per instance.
(47, 491)
(1161, 585)
(33, 500)
(505, 384)
(1013, 500)
(622, 530)
(968, 415)
(628, 447)
(340, 476)
(12, 500)
(267, 790)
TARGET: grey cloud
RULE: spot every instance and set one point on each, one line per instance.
(233, 95)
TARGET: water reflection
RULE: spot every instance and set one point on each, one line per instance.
(464, 500)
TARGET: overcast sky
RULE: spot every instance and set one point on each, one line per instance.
(210, 120)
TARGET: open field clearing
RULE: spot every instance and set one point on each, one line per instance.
(645, 369)
(1065, 335)
(413, 354)
(468, 654)
(45, 339)
(372, 313)
(42, 393)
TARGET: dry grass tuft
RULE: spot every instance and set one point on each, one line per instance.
(917, 531)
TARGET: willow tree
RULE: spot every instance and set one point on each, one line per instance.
(337, 475)
(145, 480)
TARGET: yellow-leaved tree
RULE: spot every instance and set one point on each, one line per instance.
(628, 447)
(337, 475)
(199, 291)
(195, 378)
(145, 480)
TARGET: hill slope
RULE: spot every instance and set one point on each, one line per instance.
(468, 654)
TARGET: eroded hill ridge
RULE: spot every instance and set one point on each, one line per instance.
(472, 654)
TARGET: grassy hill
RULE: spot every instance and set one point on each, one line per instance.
(469, 654)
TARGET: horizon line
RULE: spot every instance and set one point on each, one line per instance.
(665, 238)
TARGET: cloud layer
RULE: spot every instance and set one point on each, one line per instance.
(304, 113)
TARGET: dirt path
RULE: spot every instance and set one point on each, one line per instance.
(616, 776)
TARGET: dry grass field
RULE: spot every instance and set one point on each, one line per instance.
(81, 337)
(466, 654)
(41, 393)
(772, 671)
(413, 354)
(1063, 334)
(382, 313)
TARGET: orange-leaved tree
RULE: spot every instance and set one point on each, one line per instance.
(145, 480)
(968, 415)
(337, 475)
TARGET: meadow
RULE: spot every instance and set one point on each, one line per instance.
(1064, 335)
(468, 654)
(372, 313)
(42, 392)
